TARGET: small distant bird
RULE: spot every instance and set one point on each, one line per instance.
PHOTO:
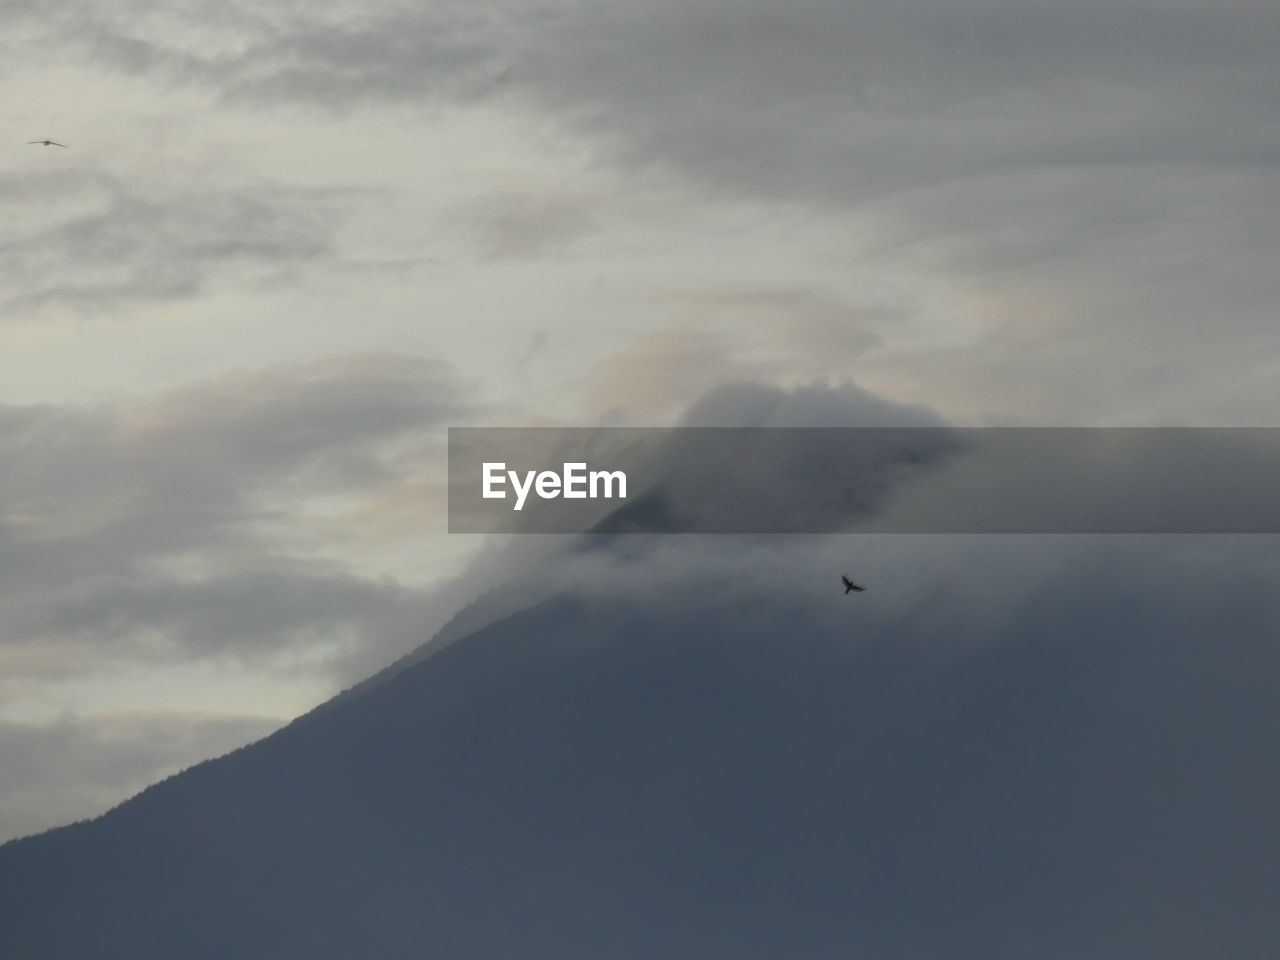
(50, 143)
(850, 585)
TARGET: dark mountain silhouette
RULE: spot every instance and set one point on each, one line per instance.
(581, 781)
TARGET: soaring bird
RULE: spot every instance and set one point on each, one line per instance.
(850, 585)
(50, 143)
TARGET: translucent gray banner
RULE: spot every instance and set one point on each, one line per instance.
(872, 479)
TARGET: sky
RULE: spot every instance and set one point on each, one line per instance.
(290, 244)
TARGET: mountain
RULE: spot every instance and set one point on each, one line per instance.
(584, 780)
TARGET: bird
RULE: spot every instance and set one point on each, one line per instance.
(850, 585)
(50, 143)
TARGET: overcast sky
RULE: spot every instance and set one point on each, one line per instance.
(291, 243)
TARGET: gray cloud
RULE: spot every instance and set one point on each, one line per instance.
(824, 98)
(73, 769)
(100, 504)
(847, 101)
(249, 613)
(1103, 176)
(149, 534)
(333, 54)
(723, 336)
(96, 243)
(1004, 586)
(521, 225)
(1106, 177)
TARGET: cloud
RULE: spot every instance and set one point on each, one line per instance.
(780, 100)
(752, 458)
(756, 333)
(73, 769)
(526, 225)
(1042, 191)
(243, 611)
(329, 53)
(96, 243)
(1060, 189)
(850, 102)
(179, 514)
(822, 99)
(651, 378)
(205, 526)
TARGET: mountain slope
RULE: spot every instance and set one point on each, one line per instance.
(584, 781)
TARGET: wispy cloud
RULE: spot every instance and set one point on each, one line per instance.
(96, 243)
(65, 771)
(176, 516)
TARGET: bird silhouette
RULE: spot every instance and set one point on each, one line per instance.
(50, 143)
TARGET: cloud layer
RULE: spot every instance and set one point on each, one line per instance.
(180, 529)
